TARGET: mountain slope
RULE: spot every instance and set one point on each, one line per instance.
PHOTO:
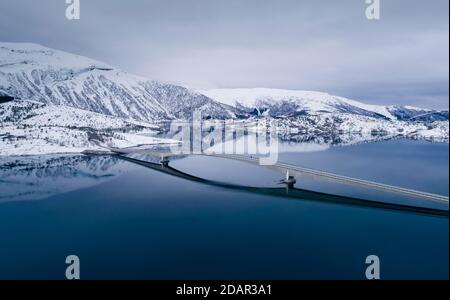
(286, 103)
(407, 113)
(34, 72)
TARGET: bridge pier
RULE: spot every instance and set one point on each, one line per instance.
(289, 181)
(164, 161)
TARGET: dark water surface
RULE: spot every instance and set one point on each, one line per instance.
(129, 222)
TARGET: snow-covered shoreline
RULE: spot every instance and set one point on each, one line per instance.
(32, 128)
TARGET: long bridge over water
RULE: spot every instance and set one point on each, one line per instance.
(294, 170)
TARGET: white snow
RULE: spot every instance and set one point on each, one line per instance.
(27, 55)
(308, 100)
(32, 128)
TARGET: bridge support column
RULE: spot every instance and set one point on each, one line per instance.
(164, 161)
(290, 185)
(289, 181)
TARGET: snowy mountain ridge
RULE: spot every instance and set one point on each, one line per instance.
(34, 72)
(56, 102)
(278, 102)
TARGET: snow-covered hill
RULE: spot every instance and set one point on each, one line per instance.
(30, 128)
(56, 102)
(33, 72)
(285, 103)
(364, 128)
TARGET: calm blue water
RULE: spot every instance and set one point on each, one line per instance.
(128, 222)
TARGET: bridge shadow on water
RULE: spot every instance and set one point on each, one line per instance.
(292, 193)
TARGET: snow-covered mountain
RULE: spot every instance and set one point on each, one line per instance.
(33, 72)
(55, 102)
(288, 103)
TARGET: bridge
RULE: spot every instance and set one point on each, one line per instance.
(290, 193)
(293, 170)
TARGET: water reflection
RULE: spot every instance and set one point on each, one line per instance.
(37, 177)
(394, 162)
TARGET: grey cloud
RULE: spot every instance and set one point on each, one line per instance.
(314, 45)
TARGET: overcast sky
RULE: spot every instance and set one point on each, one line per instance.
(325, 45)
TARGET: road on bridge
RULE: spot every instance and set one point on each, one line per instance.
(293, 169)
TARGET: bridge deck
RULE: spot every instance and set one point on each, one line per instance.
(293, 193)
(293, 169)
(345, 179)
